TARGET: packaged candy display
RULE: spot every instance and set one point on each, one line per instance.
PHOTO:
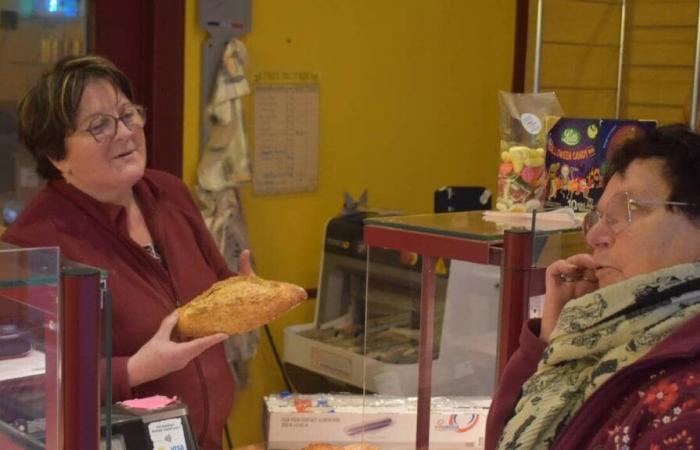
(524, 123)
(577, 151)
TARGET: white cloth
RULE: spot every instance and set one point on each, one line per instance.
(224, 218)
(224, 160)
(224, 165)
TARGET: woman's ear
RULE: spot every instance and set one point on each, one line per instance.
(62, 165)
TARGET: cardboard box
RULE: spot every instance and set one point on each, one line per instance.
(388, 422)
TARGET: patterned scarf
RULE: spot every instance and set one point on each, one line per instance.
(597, 335)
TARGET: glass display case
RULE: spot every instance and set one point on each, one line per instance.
(51, 314)
(29, 348)
(443, 323)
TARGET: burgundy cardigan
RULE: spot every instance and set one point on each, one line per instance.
(143, 290)
(653, 404)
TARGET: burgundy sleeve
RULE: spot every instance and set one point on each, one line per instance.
(120, 379)
(519, 368)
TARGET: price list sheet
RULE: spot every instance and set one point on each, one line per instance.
(286, 133)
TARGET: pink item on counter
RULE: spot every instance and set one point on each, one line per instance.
(150, 403)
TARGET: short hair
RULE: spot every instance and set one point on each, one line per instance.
(678, 148)
(47, 112)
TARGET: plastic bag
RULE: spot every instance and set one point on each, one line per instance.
(525, 120)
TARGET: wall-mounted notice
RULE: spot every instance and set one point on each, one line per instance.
(286, 124)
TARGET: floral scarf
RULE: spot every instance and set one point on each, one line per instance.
(597, 335)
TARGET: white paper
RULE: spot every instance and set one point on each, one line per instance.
(559, 219)
(29, 365)
(286, 136)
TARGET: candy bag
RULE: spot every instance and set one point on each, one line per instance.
(525, 120)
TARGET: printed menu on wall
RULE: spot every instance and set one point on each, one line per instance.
(286, 132)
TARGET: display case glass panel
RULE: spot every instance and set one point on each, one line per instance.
(30, 348)
(464, 298)
(438, 287)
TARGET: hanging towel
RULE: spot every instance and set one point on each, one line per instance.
(224, 218)
(224, 165)
(224, 161)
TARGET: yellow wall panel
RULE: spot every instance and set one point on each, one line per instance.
(581, 21)
(670, 13)
(579, 66)
(657, 65)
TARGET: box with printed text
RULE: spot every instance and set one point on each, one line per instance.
(387, 422)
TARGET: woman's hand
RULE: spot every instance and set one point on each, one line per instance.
(565, 279)
(161, 356)
(244, 266)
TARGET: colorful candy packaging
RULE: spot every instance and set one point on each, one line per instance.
(525, 120)
(577, 151)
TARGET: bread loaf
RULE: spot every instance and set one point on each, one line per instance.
(236, 305)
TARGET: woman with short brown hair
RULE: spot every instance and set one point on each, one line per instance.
(102, 207)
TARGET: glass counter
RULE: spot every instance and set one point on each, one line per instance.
(30, 349)
(49, 377)
(446, 296)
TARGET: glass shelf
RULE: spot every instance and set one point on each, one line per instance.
(468, 225)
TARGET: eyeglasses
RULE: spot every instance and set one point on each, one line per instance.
(103, 127)
(618, 214)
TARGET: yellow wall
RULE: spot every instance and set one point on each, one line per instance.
(408, 104)
(657, 61)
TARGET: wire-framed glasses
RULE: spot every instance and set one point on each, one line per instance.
(103, 127)
(619, 212)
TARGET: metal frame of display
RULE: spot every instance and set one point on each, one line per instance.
(78, 368)
(519, 280)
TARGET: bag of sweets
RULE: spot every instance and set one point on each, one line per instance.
(577, 153)
(525, 120)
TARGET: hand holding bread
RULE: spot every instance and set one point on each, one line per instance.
(160, 355)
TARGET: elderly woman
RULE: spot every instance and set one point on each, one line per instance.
(614, 362)
(102, 207)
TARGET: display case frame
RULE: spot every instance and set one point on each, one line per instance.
(520, 250)
(71, 301)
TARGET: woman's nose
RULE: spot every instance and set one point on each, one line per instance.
(599, 235)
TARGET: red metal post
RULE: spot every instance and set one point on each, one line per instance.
(425, 359)
(515, 291)
(52, 401)
(80, 356)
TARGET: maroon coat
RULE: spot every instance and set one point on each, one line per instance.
(653, 404)
(143, 291)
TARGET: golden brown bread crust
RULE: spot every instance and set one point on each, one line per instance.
(236, 305)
